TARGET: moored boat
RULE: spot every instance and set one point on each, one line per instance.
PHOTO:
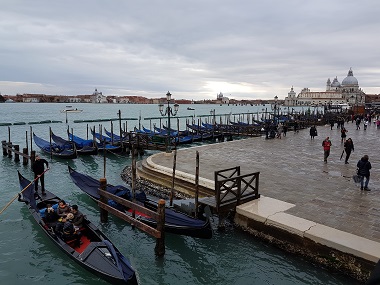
(70, 109)
(84, 149)
(175, 222)
(95, 253)
(56, 150)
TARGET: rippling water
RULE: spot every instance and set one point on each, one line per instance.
(29, 257)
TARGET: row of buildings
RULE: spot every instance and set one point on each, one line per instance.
(95, 97)
(348, 92)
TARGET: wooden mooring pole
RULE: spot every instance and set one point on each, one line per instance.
(17, 153)
(103, 212)
(160, 242)
(196, 184)
(3, 144)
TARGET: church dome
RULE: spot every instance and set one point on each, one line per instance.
(335, 83)
(350, 79)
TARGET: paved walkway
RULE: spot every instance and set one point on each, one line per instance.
(292, 170)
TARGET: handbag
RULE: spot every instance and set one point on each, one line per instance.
(357, 178)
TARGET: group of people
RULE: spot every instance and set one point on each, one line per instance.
(66, 221)
(363, 165)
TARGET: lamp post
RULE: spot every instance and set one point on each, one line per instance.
(275, 109)
(212, 113)
(168, 111)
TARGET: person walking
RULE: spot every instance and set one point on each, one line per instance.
(358, 120)
(363, 171)
(279, 130)
(38, 169)
(343, 134)
(285, 129)
(348, 148)
(365, 123)
(313, 132)
(331, 124)
(326, 148)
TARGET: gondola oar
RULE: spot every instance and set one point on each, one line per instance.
(26, 187)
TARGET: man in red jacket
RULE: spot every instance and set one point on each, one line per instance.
(326, 148)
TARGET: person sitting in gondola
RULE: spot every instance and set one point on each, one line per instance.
(63, 208)
(51, 216)
(68, 231)
(78, 217)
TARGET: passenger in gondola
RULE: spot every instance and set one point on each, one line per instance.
(51, 216)
(68, 231)
(63, 209)
(78, 217)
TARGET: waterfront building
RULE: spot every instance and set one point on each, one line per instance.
(221, 99)
(98, 97)
(347, 92)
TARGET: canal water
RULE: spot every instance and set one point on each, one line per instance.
(29, 257)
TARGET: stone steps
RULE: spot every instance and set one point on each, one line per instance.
(164, 178)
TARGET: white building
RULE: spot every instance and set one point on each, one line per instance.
(222, 99)
(98, 97)
(30, 100)
(336, 93)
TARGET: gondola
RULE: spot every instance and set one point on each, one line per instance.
(117, 138)
(105, 143)
(86, 149)
(68, 152)
(96, 252)
(99, 146)
(175, 222)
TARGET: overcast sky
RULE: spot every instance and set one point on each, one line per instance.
(194, 49)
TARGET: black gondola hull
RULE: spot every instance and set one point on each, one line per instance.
(91, 256)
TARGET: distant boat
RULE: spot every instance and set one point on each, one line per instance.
(188, 108)
(70, 109)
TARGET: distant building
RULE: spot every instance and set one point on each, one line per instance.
(98, 97)
(336, 93)
(221, 99)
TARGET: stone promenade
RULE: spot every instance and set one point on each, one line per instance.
(292, 170)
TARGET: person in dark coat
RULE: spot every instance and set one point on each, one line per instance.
(363, 171)
(78, 217)
(51, 216)
(313, 132)
(348, 148)
(38, 169)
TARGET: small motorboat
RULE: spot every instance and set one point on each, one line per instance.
(70, 109)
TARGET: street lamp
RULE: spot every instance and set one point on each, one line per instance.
(212, 113)
(168, 111)
(275, 109)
